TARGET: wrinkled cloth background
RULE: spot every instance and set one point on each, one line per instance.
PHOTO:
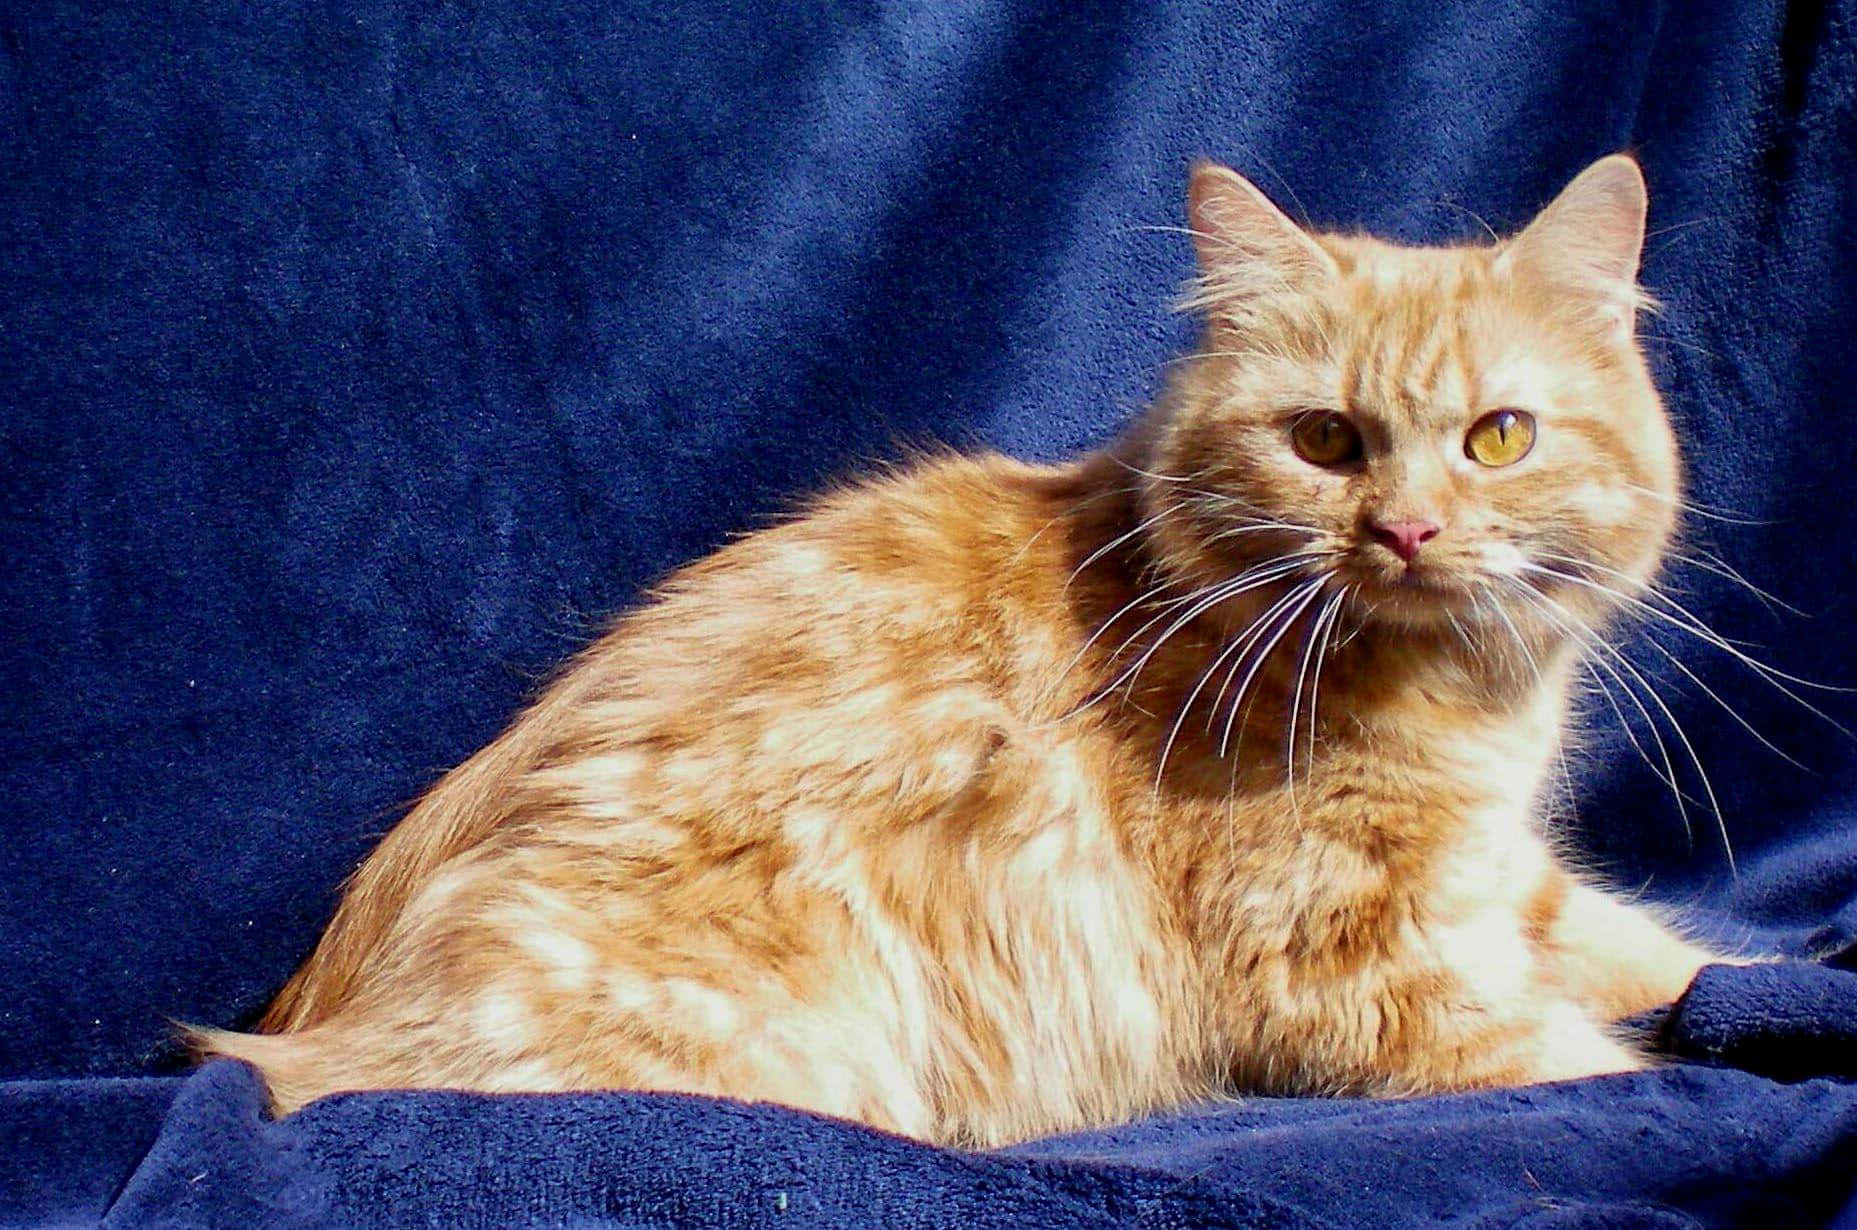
(358, 361)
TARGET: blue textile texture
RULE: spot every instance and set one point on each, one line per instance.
(357, 361)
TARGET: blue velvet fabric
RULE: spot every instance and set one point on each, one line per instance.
(1685, 1145)
(357, 360)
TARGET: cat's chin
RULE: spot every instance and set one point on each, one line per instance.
(1416, 600)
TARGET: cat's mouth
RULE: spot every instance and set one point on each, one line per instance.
(1419, 594)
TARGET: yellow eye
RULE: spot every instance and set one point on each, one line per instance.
(1500, 438)
(1325, 438)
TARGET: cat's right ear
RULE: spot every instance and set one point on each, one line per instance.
(1247, 246)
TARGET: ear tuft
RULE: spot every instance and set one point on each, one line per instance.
(1247, 247)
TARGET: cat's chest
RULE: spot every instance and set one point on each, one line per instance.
(1429, 829)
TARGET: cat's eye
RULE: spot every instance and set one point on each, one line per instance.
(1500, 438)
(1325, 438)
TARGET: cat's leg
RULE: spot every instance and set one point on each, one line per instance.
(1615, 958)
(1533, 1008)
(1552, 1040)
(1478, 1009)
(1451, 1006)
(1434, 1033)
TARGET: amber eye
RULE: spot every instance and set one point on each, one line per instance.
(1500, 438)
(1325, 438)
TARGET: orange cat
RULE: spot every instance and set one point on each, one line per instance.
(990, 800)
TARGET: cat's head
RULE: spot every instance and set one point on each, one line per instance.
(1439, 429)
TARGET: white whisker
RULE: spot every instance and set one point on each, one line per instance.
(1325, 621)
(1213, 595)
(1729, 516)
(1132, 468)
(1695, 627)
(1676, 728)
(1534, 666)
(1238, 642)
(1706, 562)
(1307, 594)
(1726, 707)
(1117, 541)
(1667, 774)
(1253, 633)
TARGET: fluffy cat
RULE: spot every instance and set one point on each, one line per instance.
(989, 800)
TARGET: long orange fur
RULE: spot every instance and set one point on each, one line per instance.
(989, 800)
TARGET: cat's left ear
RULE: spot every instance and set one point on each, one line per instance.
(1588, 240)
(1248, 248)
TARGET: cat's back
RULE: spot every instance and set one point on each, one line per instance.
(795, 814)
(933, 578)
(879, 642)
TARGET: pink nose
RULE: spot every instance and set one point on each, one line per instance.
(1405, 537)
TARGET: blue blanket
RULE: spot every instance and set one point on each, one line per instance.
(357, 361)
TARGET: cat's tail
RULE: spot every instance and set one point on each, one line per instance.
(464, 808)
(294, 1067)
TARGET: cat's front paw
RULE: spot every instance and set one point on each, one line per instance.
(1567, 1044)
